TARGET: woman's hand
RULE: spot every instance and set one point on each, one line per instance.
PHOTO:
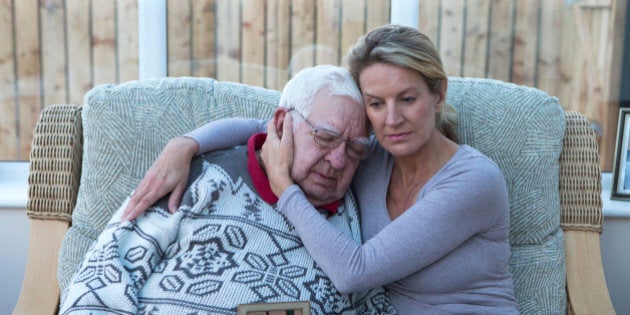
(169, 173)
(277, 155)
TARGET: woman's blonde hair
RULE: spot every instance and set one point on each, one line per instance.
(408, 48)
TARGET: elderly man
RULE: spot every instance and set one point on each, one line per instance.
(226, 244)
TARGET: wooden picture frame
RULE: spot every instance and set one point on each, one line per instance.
(279, 308)
(621, 165)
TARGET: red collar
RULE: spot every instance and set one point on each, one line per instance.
(260, 180)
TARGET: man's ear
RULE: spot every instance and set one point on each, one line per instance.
(278, 120)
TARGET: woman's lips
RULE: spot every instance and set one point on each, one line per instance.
(398, 136)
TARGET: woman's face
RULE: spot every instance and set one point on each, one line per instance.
(400, 107)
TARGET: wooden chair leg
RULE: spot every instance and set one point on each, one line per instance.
(40, 289)
(587, 292)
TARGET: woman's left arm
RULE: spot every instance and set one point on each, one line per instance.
(448, 214)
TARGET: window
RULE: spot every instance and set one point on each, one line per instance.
(561, 47)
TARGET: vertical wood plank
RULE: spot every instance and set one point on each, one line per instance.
(228, 40)
(53, 52)
(179, 35)
(302, 35)
(570, 90)
(548, 71)
(378, 12)
(499, 58)
(590, 88)
(328, 27)
(451, 36)
(79, 49)
(253, 25)
(127, 40)
(208, 32)
(525, 38)
(278, 43)
(612, 73)
(8, 106)
(476, 38)
(228, 43)
(429, 20)
(28, 75)
(353, 27)
(103, 42)
(601, 34)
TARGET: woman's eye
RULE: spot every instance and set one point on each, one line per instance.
(409, 99)
(374, 104)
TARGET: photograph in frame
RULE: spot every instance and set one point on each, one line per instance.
(277, 308)
(621, 165)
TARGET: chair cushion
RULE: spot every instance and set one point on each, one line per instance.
(125, 128)
(522, 130)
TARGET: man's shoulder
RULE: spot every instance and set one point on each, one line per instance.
(220, 156)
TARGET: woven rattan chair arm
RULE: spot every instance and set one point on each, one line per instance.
(55, 163)
(581, 218)
(580, 177)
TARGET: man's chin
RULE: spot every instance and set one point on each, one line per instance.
(319, 197)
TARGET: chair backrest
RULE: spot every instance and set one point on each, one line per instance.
(126, 125)
(522, 130)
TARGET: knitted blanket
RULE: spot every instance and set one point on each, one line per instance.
(223, 247)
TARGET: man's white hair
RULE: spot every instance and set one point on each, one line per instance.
(300, 91)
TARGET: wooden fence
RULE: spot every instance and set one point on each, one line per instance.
(53, 51)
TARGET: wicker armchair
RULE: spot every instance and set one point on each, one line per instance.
(55, 181)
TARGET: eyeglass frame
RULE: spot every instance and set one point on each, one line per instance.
(322, 143)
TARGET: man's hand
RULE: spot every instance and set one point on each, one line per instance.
(169, 173)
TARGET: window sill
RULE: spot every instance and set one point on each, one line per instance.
(13, 185)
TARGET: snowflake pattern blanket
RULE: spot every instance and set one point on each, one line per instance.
(224, 246)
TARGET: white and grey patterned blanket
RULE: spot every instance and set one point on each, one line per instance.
(223, 247)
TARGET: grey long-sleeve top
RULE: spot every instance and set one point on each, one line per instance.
(446, 254)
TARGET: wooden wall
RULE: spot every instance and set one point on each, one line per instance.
(53, 51)
(263, 42)
(570, 49)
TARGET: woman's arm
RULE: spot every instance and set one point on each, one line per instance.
(445, 217)
(169, 172)
(226, 133)
(467, 197)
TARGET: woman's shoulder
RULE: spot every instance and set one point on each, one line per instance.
(468, 154)
(470, 161)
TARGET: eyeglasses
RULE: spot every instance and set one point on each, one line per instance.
(327, 139)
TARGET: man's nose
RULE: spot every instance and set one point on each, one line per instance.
(337, 157)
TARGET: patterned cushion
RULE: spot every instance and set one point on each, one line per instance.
(522, 130)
